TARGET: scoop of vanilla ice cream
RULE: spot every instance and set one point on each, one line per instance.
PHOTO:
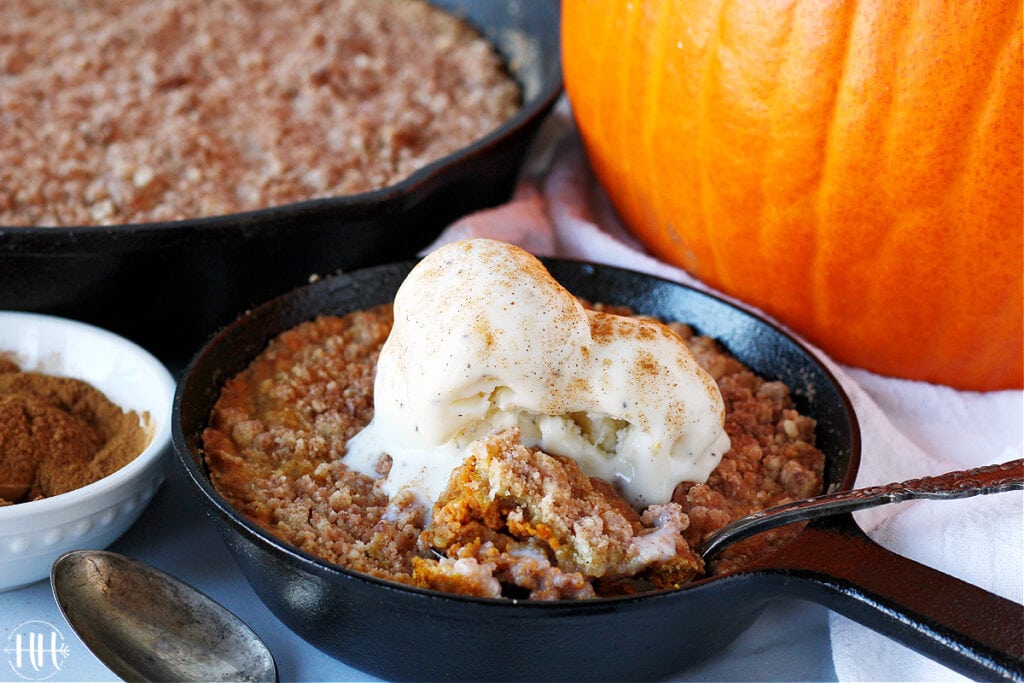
(484, 339)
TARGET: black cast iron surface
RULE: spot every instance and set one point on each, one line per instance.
(167, 286)
(402, 633)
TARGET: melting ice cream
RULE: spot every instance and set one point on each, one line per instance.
(485, 339)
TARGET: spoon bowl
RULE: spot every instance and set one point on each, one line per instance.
(146, 625)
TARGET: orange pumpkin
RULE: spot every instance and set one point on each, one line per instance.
(851, 168)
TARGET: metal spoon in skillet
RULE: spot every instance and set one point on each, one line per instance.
(1008, 476)
(146, 625)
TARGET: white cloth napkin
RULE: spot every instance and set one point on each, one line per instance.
(909, 429)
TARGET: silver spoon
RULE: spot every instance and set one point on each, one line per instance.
(1008, 476)
(146, 625)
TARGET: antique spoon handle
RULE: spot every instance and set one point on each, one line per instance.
(1008, 476)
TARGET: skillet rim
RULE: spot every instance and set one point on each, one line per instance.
(195, 467)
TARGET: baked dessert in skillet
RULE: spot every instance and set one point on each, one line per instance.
(491, 435)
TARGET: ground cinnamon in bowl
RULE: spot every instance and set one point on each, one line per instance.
(58, 434)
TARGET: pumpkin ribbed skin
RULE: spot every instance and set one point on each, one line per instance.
(852, 168)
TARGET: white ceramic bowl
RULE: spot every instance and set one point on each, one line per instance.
(34, 534)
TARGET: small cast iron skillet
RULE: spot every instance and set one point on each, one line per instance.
(398, 632)
(168, 285)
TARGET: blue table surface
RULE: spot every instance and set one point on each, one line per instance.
(789, 641)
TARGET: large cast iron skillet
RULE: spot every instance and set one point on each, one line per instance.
(168, 285)
(403, 633)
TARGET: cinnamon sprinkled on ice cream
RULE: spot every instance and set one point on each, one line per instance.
(485, 339)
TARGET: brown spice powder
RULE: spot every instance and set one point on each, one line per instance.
(58, 434)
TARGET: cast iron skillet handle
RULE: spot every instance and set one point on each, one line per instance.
(951, 621)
